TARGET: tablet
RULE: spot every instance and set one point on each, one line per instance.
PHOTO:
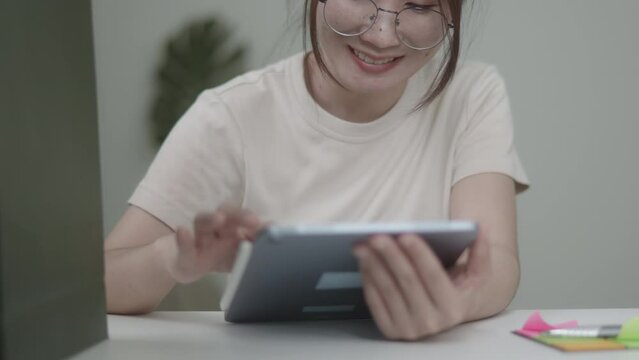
(308, 272)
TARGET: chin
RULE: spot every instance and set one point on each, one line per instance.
(369, 89)
(370, 85)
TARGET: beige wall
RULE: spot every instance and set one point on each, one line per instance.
(571, 71)
(129, 37)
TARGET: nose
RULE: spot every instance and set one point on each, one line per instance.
(382, 34)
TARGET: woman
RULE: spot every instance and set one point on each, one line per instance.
(369, 126)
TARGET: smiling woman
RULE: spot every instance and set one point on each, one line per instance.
(366, 127)
(419, 25)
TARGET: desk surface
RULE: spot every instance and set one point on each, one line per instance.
(205, 335)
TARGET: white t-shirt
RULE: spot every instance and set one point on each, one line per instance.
(260, 141)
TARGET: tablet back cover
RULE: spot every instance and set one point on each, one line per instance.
(314, 278)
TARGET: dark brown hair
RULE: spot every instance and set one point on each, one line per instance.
(446, 70)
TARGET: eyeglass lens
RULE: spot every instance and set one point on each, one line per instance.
(418, 27)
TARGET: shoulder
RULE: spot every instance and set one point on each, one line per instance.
(472, 78)
(476, 69)
(254, 87)
(475, 86)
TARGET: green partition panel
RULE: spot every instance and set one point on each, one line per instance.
(51, 261)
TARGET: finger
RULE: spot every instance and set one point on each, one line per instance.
(227, 207)
(226, 223)
(251, 220)
(185, 240)
(219, 221)
(242, 233)
(430, 270)
(225, 218)
(219, 218)
(181, 267)
(412, 289)
(377, 307)
(237, 218)
(228, 230)
(251, 223)
(236, 215)
(203, 227)
(380, 277)
(203, 222)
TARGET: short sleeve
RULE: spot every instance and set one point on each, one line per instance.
(485, 141)
(199, 166)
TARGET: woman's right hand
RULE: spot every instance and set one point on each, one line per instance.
(213, 244)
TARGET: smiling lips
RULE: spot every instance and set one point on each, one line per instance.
(372, 64)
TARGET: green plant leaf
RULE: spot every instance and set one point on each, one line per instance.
(198, 57)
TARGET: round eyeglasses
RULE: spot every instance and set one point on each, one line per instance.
(420, 27)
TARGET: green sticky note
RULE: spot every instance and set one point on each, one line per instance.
(629, 334)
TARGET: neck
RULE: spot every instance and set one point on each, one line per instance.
(346, 104)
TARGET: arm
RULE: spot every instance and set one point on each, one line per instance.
(144, 258)
(199, 165)
(412, 296)
(489, 199)
(136, 278)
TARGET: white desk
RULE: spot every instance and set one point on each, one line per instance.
(205, 335)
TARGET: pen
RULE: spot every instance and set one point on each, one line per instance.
(605, 331)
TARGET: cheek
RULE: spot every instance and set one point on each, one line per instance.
(327, 39)
(422, 59)
(415, 62)
(334, 51)
(327, 42)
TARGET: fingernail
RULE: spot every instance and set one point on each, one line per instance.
(242, 234)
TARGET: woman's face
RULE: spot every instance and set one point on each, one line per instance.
(377, 60)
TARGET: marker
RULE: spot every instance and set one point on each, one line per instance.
(606, 331)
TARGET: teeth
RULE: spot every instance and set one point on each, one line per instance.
(368, 60)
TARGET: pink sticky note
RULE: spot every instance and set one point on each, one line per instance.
(535, 325)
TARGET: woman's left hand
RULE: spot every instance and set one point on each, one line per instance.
(410, 294)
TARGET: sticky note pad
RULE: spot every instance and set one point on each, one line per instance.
(585, 344)
(535, 326)
(629, 334)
